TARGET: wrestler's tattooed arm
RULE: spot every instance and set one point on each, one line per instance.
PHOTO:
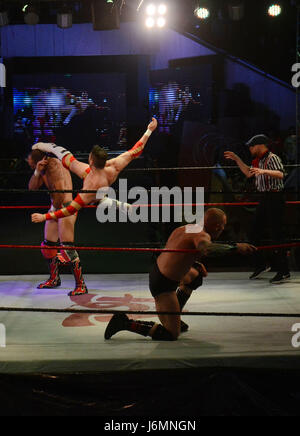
(218, 250)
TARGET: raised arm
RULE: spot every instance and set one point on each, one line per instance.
(243, 167)
(37, 180)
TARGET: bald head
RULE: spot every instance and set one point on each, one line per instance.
(215, 215)
(215, 221)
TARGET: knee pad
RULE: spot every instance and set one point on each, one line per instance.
(49, 253)
(198, 281)
(69, 255)
(162, 334)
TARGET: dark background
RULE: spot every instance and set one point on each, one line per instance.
(268, 43)
(196, 139)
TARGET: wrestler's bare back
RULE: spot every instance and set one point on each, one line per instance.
(58, 178)
(98, 179)
(176, 265)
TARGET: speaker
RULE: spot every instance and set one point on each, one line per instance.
(105, 15)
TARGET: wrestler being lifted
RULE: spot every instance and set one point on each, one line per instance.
(99, 174)
(181, 272)
(50, 172)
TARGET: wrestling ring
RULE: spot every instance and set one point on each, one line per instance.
(233, 322)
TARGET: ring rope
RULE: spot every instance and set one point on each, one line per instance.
(131, 170)
(225, 167)
(139, 250)
(136, 312)
(85, 191)
(155, 205)
(145, 205)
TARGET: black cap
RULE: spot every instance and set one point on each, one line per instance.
(257, 140)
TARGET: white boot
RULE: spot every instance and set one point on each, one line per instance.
(48, 147)
(109, 202)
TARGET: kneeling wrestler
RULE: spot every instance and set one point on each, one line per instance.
(179, 270)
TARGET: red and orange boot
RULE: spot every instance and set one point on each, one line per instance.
(54, 279)
(81, 288)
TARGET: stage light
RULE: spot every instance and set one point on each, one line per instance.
(150, 22)
(151, 9)
(274, 10)
(202, 13)
(162, 9)
(64, 18)
(161, 22)
(156, 13)
(31, 15)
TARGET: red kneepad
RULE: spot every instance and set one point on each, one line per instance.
(49, 253)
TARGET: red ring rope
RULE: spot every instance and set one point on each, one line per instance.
(140, 250)
(154, 205)
(143, 205)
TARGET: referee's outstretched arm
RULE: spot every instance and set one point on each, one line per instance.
(243, 167)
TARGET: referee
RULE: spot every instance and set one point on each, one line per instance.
(268, 171)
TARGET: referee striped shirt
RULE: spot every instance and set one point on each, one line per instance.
(265, 183)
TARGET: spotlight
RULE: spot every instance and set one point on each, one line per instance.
(202, 13)
(274, 10)
(151, 9)
(150, 22)
(161, 22)
(162, 9)
(31, 15)
(156, 13)
(64, 18)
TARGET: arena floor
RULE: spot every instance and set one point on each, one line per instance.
(74, 343)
